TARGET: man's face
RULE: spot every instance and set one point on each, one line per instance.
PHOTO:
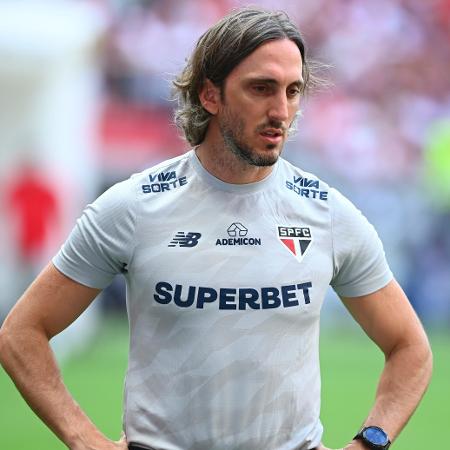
(259, 102)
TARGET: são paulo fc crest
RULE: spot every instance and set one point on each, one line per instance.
(296, 239)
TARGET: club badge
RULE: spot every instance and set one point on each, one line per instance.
(296, 239)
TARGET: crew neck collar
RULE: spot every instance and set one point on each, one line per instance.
(231, 187)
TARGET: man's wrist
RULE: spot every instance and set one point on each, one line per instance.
(91, 440)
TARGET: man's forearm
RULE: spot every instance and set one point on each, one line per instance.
(402, 384)
(28, 359)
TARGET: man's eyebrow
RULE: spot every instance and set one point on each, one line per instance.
(298, 83)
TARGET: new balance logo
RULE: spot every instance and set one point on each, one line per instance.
(183, 239)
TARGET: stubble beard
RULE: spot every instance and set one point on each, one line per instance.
(232, 130)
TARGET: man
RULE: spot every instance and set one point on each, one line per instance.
(227, 255)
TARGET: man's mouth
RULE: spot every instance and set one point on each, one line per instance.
(272, 135)
(272, 132)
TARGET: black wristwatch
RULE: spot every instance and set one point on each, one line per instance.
(374, 438)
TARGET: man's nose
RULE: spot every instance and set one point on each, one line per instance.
(279, 108)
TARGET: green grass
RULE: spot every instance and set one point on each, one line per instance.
(351, 365)
(350, 368)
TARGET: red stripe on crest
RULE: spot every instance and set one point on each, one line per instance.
(289, 243)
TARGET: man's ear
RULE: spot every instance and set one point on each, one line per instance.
(209, 96)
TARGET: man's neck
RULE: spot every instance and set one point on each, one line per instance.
(222, 163)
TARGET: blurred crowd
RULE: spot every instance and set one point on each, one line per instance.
(379, 130)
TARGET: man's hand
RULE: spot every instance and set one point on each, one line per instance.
(354, 445)
(122, 443)
(105, 444)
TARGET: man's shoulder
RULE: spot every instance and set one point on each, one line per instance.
(308, 185)
(162, 170)
(160, 177)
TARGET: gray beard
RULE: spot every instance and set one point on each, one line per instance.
(245, 153)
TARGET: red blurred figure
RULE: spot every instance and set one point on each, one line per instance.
(33, 209)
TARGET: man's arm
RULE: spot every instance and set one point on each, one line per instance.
(389, 320)
(51, 304)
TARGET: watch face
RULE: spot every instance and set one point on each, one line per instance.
(375, 436)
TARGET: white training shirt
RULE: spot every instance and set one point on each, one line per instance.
(225, 285)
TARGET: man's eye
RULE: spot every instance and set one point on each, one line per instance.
(293, 92)
(260, 88)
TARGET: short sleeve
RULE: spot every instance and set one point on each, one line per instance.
(102, 242)
(360, 265)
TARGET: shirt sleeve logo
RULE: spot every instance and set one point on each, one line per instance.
(162, 182)
(305, 187)
(296, 239)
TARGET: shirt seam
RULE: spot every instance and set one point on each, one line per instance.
(136, 215)
(174, 161)
(333, 251)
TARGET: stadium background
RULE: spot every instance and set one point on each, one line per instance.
(85, 101)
